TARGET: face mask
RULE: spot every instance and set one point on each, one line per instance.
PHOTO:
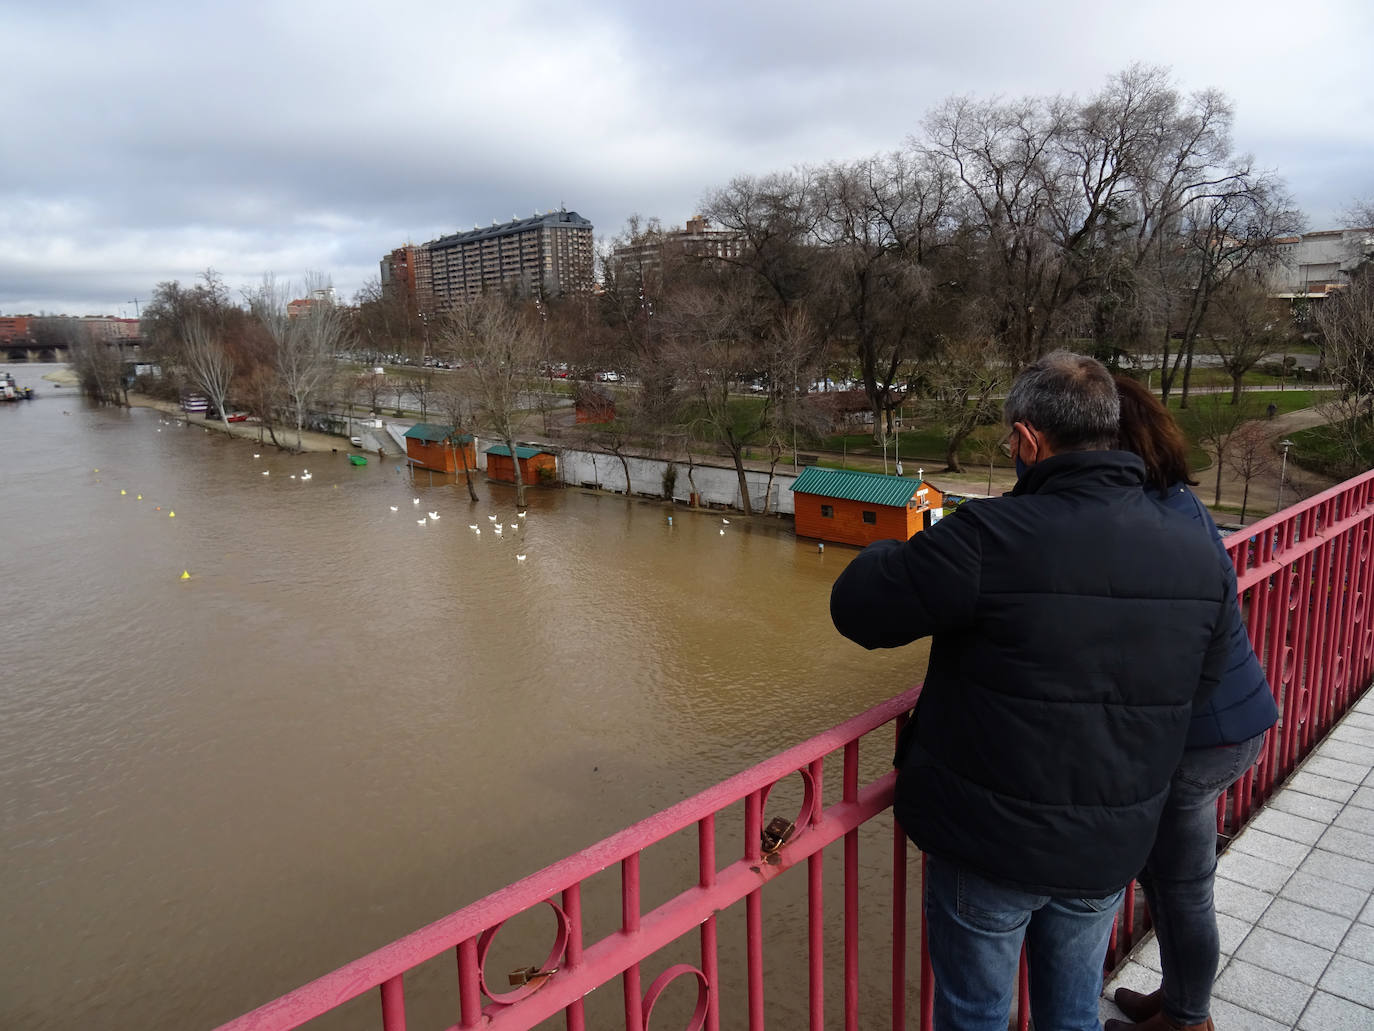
(1021, 468)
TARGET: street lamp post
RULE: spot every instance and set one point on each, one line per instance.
(1283, 469)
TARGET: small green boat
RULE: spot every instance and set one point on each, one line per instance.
(358, 459)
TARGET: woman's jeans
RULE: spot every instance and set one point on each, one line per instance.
(976, 927)
(1178, 876)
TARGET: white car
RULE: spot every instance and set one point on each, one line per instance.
(356, 441)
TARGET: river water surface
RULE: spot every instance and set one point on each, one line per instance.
(344, 725)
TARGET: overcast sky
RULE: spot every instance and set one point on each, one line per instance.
(148, 141)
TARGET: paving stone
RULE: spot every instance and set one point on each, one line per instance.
(1346, 751)
(1359, 944)
(1332, 1013)
(1322, 787)
(1354, 818)
(1356, 718)
(1340, 868)
(1270, 847)
(1254, 871)
(1365, 703)
(1348, 843)
(1367, 917)
(1324, 894)
(1284, 955)
(1336, 769)
(1364, 798)
(1276, 996)
(1355, 734)
(1232, 932)
(1240, 900)
(1350, 979)
(1231, 1017)
(1286, 825)
(1291, 800)
(1306, 923)
(1147, 955)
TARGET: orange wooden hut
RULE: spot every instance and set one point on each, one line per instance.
(850, 507)
(533, 462)
(441, 448)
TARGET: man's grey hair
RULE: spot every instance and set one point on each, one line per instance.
(1070, 398)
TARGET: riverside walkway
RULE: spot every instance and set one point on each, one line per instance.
(1295, 900)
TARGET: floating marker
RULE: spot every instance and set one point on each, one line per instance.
(185, 575)
(670, 520)
(123, 492)
(140, 497)
(820, 547)
(171, 515)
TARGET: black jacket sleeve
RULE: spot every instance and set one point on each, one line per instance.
(896, 592)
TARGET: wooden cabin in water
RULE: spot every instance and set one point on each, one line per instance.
(850, 507)
(536, 464)
(441, 448)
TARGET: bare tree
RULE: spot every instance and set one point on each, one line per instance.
(1250, 455)
(504, 343)
(1245, 326)
(210, 365)
(1346, 320)
(453, 399)
(958, 388)
(1218, 422)
(303, 345)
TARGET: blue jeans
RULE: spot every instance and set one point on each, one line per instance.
(976, 928)
(1179, 874)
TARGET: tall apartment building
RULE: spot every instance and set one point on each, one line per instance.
(543, 255)
(406, 274)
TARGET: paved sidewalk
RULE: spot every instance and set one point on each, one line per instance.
(1295, 900)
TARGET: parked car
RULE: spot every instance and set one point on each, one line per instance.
(356, 441)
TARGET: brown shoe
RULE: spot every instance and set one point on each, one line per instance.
(1137, 1006)
(1159, 1022)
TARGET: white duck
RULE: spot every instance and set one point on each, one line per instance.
(420, 521)
(394, 508)
(434, 515)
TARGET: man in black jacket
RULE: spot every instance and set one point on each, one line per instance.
(1075, 623)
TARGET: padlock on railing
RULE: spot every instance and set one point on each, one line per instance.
(529, 975)
(775, 836)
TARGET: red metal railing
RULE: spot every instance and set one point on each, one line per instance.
(1305, 577)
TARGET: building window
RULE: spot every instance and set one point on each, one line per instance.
(871, 517)
(827, 511)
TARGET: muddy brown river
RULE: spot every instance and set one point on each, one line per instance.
(344, 724)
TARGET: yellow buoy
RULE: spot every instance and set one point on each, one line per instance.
(185, 575)
(140, 497)
(123, 492)
(171, 515)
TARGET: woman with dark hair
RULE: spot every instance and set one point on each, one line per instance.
(1223, 742)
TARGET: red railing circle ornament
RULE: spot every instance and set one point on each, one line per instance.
(1337, 675)
(1295, 594)
(1304, 706)
(698, 1019)
(1286, 665)
(1357, 609)
(1369, 643)
(536, 979)
(808, 805)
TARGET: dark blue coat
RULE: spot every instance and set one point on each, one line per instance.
(1076, 624)
(1243, 703)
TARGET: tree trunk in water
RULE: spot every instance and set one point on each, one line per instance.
(737, 452)
(692, 479)
(519, 477)
(768, 491)
(625, 465)
(467, 473)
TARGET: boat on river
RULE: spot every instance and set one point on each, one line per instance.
(358, 459)
(11, 391)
